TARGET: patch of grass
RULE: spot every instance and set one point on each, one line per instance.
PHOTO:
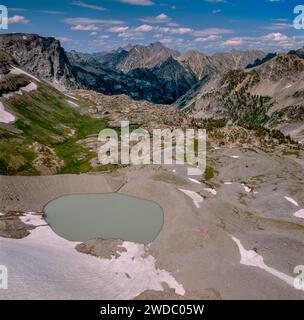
(45, 116)
(291, 153)
(76, 158)
(16, 158)
(88, 126)
(210, 173)
(41, 112)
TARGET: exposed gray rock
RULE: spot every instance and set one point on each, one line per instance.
(105, 249)
(12, 227)
(41, 56)
(236, 59)
(200, 64)
(6, 61)
(145, 57)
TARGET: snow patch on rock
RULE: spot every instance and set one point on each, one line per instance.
(196, 198)
(73, 103)
(299, 214)
(251, 258)
(30, 87)
(5, 116)
(212, 191)
(19, 71)
(294, 202)
(194, 181)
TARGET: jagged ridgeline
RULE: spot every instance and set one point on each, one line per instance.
(269, 94)
(42, 126)
(154, 73)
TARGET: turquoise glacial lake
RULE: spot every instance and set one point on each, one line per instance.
(84, 217)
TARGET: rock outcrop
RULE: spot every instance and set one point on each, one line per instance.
(42, 56)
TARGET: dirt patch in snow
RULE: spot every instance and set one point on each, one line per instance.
(12, 227)
(106, 249)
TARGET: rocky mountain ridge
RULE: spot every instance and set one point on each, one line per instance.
(270, 95)
(170, 73)
(238, 86)
(154, 73)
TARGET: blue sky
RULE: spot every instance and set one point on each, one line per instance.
(206, 25)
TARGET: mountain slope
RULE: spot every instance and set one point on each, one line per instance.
(200, 64)
(171, 79)
(145, 57)
(236, 59)
(97, 60)
(268, 95)
(161, 84)
(40, 126)
(299, 52)
(44, 131)
(259, 61)
(43, 57)
(46, 59)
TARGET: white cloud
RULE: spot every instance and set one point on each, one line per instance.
(279, 26)
(215, 11)
(167, 40)
(118, 29)
(270, 42)
(233, 42)
(175, 30)
(75, 21)
(167, 30)
(162, 18)
(89, 6)
(82, 27)
(200, 39)
(138, 2)
(179, 42)
(172, 24)
(144, 28)
(275, 37)
(94, 33)
(182, 30)
(208, 39)
(17, 19)
(131, 35)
